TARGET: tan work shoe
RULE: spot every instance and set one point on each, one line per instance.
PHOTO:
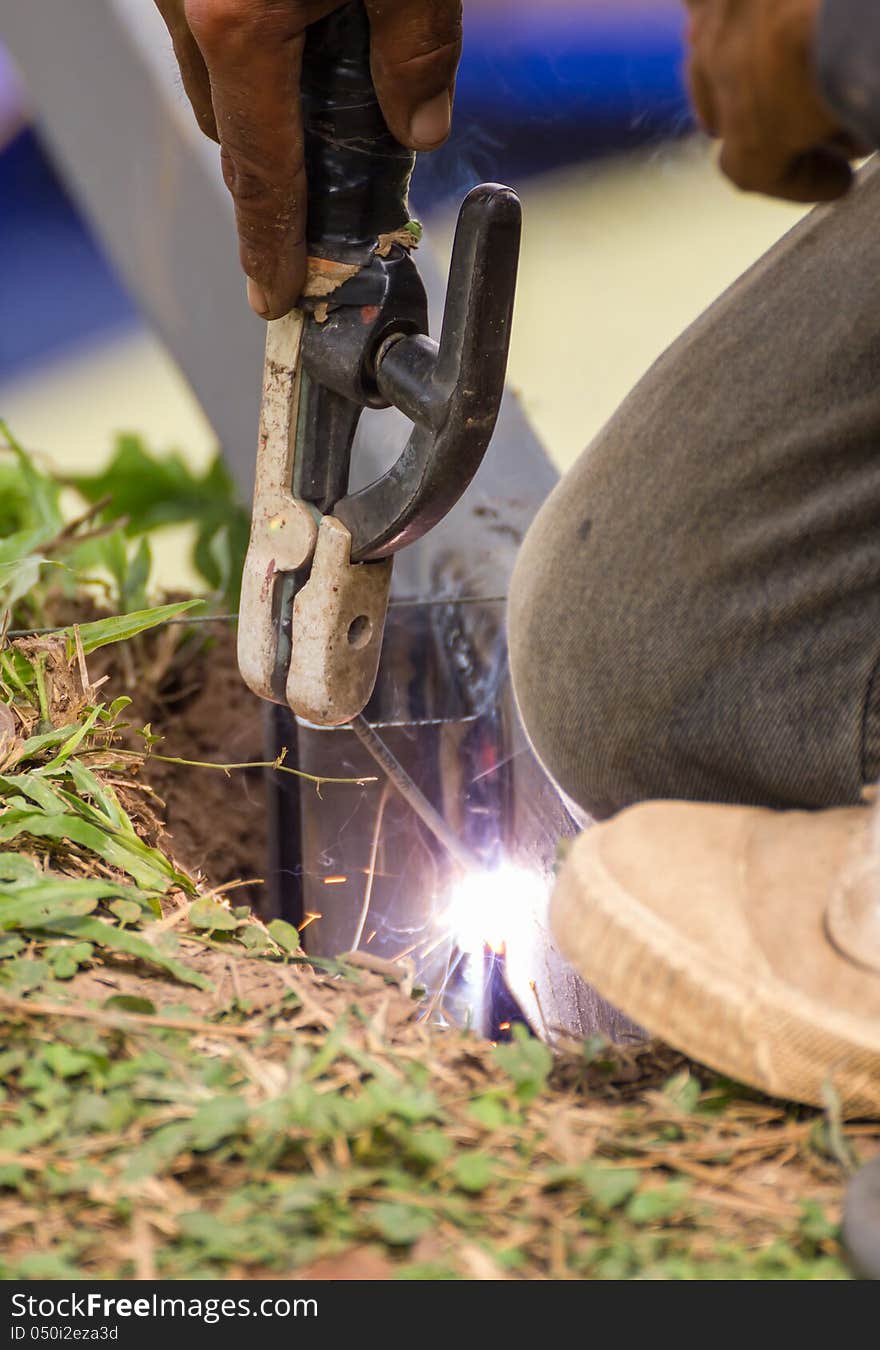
(749, 939)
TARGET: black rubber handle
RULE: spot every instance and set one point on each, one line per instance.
(358, 174)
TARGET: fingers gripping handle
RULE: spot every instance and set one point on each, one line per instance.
(358, 174)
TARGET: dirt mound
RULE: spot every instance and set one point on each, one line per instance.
(216, 824)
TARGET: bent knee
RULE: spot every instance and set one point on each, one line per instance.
(598, 658)
(582, 711)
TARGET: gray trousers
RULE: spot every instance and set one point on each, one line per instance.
(695, 612)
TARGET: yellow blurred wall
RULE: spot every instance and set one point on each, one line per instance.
(617, 259)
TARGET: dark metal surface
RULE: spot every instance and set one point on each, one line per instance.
(451, 391)
(444, 708)
(340, 352)
(284, 804)
(325, 430)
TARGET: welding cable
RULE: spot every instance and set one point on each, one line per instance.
(187, 620)
(413, 795)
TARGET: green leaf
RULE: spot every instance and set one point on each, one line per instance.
(126, 911)
(15, 867)
(149, 868)
(609, 1187)
(66, 1062)
(151, 491)
(35, 745)
(158, 1151)
(219, 1119)
(45, 904)
(107, 551)
(815, 1224)
(134, 588)
(18, 674)
(428, 1146)
(23, 973)
(664, 1202)
(129, 567)
(30, 518)
(684, 1091)
(129, 1003)
(102, 795)
(120, 939)
(254, 938)
(207, 914)
(12, 1175)
(473, 1172)
(47, 1266)
(489, 1111)
(66, 959)
(285, 935)
(121, 627)
(73, 742)
(43, 492)
(18, 549)
(400, 1225)
(527, 1061)
(150, 739)
(35, 789)
(17, 579)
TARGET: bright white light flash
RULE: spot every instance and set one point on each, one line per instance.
(499, 908)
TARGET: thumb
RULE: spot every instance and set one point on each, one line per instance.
(415, 50)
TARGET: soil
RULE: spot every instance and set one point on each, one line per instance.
(254, 986)
(203, 711)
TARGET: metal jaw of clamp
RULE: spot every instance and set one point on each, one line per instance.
(318, 570)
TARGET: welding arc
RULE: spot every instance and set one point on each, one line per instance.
(414, 797)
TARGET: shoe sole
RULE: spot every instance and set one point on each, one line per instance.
(760, 1032)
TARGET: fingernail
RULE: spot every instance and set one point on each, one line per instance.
(257, 298)
(430, 123)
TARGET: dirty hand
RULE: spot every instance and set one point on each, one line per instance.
(240, 61)
(754, 85)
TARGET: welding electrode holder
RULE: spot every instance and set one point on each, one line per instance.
(317, 576)
(358, 174)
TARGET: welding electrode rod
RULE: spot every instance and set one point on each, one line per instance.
(413, 795)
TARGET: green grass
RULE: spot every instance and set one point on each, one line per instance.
(184, 1095)
(171, 1145)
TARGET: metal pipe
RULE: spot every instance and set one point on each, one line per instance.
(413, 795)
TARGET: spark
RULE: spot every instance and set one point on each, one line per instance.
(495, 908)
(503, 1026)
(371, 869)
(335, 881)
(502, 911)
(372, 935)
(310, 918)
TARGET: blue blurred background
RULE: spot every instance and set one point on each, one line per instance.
(543, 84)
(630, 230)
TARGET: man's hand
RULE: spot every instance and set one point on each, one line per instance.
(754, 85)
(240, 61)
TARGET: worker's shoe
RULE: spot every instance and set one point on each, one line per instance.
(749, 939)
